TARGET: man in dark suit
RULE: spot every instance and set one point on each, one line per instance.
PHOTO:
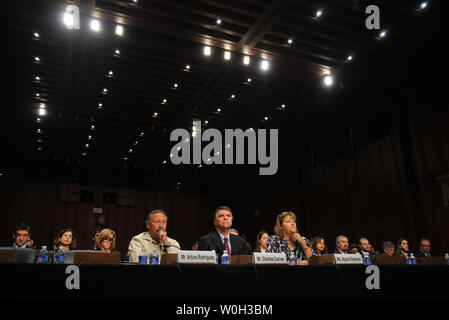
(221, 239)
(424, 248)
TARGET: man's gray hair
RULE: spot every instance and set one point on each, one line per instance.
(222, 208)
(155, 211)
(339, 238)
(387, 245)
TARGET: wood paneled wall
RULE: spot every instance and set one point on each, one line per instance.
(40, 204)
(430, 137)
(362, 193)
(383, 190)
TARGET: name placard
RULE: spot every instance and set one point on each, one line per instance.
(269, 258)
(348, 259)
(190, 256)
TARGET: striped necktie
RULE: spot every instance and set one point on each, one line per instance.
(228, 250)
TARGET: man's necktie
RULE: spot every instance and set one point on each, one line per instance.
(228, 250)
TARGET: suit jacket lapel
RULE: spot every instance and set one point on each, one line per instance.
(234, 245)
(217, 242)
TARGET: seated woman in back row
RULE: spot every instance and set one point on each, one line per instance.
(287, 239)
(66, 239)
(106, 241)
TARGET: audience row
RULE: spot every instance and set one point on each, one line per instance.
(286, 239)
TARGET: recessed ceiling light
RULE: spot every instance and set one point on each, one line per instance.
(232, 96)
(89, 137)
(164, 101)
(207, 50)
(218, 21)
(227, 55)
(266, 118)
(264, 65)
(349, 58)
(38, 95)
(68, 20)
(130, 151)
(246, 60)
(283, 106)
(92, 127)
(37, 78)
(39, 131)
(188, 67)
(328, 80)
(95, 25)
(36, 35)
(38, 120)
(42, 112)
(87, 145)
(119, 30)
(206, 122)
(136, 143)
(290, 41)
(105, 90)
(142, 134)
(218, 110)
(423, 5)
(155, 114)
(37, 59)
(111, 72)
(164, 162)
(100, 105)
(248, 80)
(319, 13)
(382, 34)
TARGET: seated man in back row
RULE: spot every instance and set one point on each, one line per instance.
(222, 239)
(154, 238)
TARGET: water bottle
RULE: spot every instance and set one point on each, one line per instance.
(143, 258)
(407, 259)
(216, 257)
(42, 256)
(366, 258)
(446, 257)
(292, 258)
(154, 257)
(60, 256)
(412, 259)
(224, 258)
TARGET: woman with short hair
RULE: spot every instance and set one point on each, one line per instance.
(66, 239)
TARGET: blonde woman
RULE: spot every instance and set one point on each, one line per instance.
(106, 240)
(287, 238)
